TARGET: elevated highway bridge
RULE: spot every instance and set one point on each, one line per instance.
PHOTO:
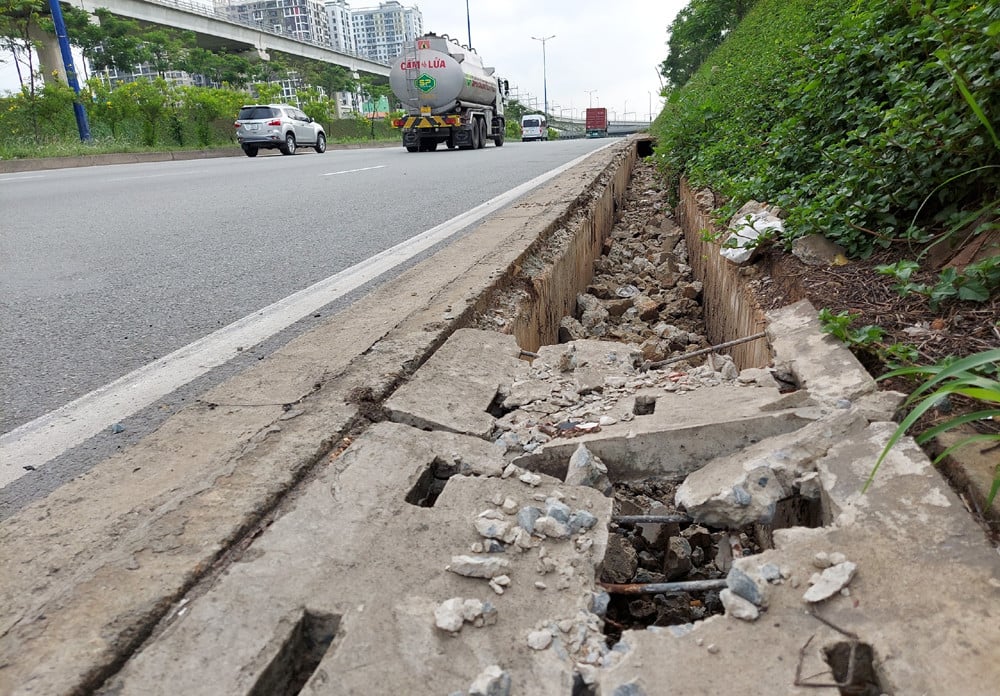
(215, 30)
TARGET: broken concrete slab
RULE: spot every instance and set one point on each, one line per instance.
(683, 432)
(922, 637)
(454, 389)
(350, 532)
(821, 364)
(745, 487)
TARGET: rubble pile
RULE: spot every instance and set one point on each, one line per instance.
(666, 552)
(641, 307)
(642, 292)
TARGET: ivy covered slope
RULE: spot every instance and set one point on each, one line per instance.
(868, 122)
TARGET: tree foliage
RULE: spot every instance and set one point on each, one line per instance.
(695, 32)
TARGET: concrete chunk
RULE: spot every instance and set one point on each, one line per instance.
(453, 390)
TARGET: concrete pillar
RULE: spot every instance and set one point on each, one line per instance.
(50, 62)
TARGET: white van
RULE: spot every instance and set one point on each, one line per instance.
(534, 127)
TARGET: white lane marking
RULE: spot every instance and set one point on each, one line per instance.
(45, 438)
(351, 171)
(21, 178)
(147, 176)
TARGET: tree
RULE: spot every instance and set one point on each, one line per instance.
(116, 43)
(695, 32)
(332, 78)
(166, 48)
(16, 19)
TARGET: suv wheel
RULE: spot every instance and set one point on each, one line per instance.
(250, 150)
(289, 146)
(321, 143)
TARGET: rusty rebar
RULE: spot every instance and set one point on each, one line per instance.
(663, 587)
(652, 519)
(728, 344)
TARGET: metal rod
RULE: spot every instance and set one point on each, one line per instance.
(528, 353)
(735, 342)
(653, 519)
(664, 587)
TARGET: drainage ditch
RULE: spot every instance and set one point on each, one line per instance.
(642, 293)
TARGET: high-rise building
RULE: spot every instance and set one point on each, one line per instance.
(305, 20)
(338, 15)
(380, 32)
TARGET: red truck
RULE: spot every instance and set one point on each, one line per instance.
(597, 122)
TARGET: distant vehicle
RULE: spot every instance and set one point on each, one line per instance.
(534, 127)
(448, 95)
(597, 122)
(281, 126)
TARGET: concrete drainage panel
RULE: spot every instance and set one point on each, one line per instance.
(619, 512)
(738, 518)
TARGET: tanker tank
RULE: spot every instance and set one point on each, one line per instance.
(438, 74)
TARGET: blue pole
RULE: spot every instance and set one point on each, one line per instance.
(67, 56)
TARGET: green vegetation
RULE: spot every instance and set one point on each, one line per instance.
(153, 114)
(871, 123)
(974, 377)
(867, 122)
(698, 30)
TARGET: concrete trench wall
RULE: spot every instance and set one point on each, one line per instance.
(730, 311)
(559, 266)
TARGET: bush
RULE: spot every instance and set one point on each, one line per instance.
(856, 119)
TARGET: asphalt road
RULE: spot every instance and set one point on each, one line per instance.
(106, 269)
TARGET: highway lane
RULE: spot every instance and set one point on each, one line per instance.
(105, 270)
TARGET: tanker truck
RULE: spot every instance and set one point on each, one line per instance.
(448, 96)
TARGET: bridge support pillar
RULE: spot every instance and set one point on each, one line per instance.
(50, 62)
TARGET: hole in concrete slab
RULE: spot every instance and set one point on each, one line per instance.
(645, 405)
(432, 481)
(681, 551)
(794, 511)
(644, 148)
(299, 657)
(853, 666)
(648, 553)
(581, 688)
(496, 407)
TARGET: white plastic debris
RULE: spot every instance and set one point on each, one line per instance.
(831, 581)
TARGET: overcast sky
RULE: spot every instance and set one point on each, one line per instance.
(614, 48)
(601, 54)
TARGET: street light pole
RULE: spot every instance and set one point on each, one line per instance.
(468, 22)
(590, 94)
(545, 86)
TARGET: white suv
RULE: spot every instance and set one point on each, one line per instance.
(281, 126)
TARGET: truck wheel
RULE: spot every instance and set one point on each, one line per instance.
(482, 133)
(498, 139)
(412, 148)
(431, 146)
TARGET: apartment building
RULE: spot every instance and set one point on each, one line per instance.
(380, 32)
(305, 20)
(338, 16)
